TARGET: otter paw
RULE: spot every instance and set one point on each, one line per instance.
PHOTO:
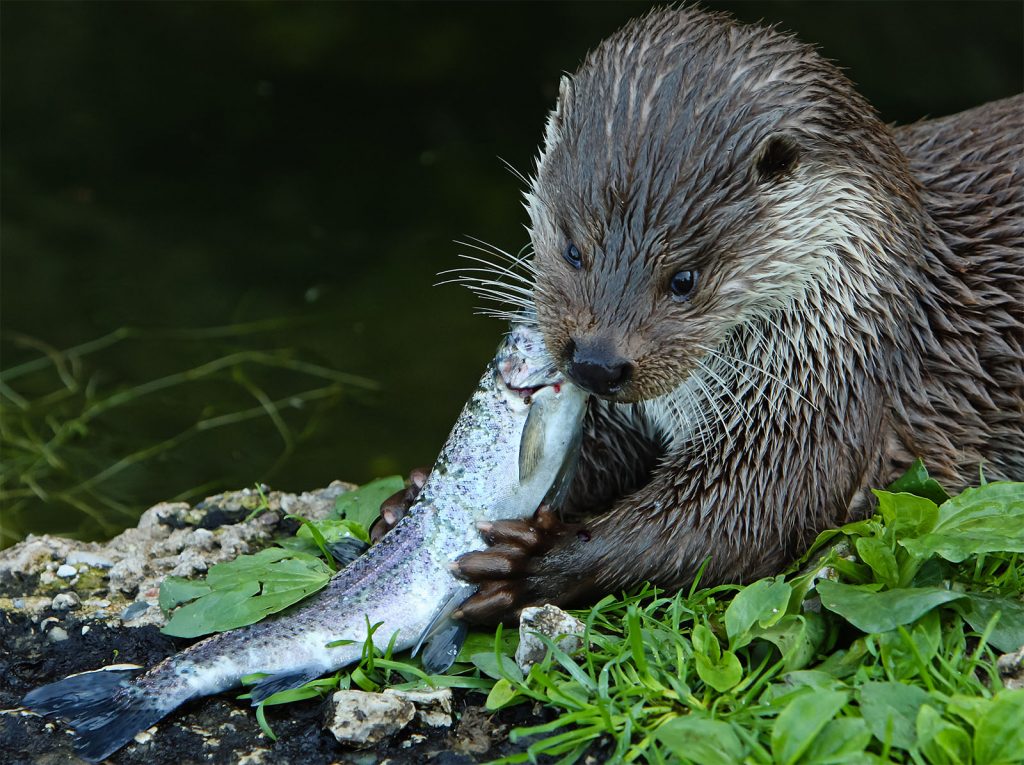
(394, 508)
(507, 573)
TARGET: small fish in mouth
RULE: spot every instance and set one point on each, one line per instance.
(512, 448)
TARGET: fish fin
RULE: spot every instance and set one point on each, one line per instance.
(440, 618)
(443, 646)
(103, 707)
(346, 550)
(282, 681)
(531, 443)
(560, 487)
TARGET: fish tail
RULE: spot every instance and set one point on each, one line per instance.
(104, 707)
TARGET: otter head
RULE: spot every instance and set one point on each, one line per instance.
(698, 175)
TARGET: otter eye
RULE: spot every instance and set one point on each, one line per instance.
(682, 285)
(779, 157)
(572, 255)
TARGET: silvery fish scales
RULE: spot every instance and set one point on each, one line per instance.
(511, 448)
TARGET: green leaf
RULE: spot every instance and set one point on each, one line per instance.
(701, 740)
(999, 735)
(487, 662)
(890, 710)
(722, 674)
(798, 639)
(942, 742)
(986, 519)
(801, 721)
(876, 553)
(978, 609)
(916, 481)
(881, 611)
(175, 590)
(764, 602)
(501, 694)
(362, 505)
(705, 643)
(247, 589)
(837, 741)
(907, 515)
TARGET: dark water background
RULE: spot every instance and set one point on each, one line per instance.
(176, 167)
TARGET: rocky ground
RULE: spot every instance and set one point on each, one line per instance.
(68, 606)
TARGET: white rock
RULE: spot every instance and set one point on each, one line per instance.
(65, 601)
(85, 558)
(66, 571)
(552, 622)
(57, 634)
(433, 708)
(362, 719)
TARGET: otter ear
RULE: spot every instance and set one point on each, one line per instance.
(557, 118)
(777, 157)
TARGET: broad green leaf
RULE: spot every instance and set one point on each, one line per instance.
(801, 721)
(247, 589)
(916, 481)
(705, 643)
(881, 611)
(969, 708)
(890, 710)
(999, 735)
(362, 505)
(876, 553)
(978, 609)
(907, 515)
(501, 694)
(987, 519)
(487, 662)
(702, 741)
(217, 611)
(175, 590)
(764, 602)
(837, 741)
(722, 674)
(798, 639)
(942, 742)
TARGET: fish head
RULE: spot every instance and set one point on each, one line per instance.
(553, 409)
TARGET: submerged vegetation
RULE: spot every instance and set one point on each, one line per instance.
(879, 646)
(78, 452)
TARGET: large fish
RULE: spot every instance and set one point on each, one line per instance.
(511, 449)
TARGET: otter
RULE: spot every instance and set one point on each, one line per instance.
(778, 302)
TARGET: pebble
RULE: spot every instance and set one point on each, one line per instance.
(552, 622)
(65, 601)
(363, 719)
(433, 708)
(57, 635)
(134, 611)
(66, 571)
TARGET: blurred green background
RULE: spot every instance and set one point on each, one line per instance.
(266, 191)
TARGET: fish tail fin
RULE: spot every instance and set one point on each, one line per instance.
(104, 707)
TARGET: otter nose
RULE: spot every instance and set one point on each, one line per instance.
(596, 369)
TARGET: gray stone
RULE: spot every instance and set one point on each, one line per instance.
(65, 601)
(433, 708)
(1011, 669)
(362, 719)
(134, 611)
(66, 571)
(57, 635)
(553, 623)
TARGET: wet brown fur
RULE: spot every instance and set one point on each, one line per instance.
(861, 309)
